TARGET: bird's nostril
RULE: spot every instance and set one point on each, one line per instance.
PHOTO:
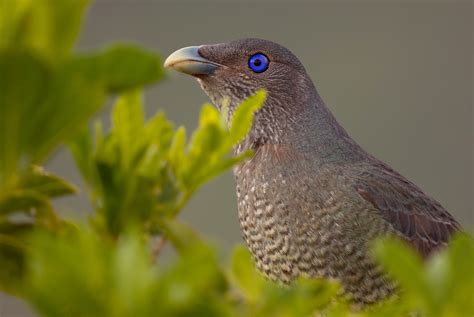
(199, 51)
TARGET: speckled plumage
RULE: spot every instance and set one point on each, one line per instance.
(311, 200)
(299, 223)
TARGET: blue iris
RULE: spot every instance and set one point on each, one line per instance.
(258, 62)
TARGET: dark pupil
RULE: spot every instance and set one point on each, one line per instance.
(257, 62)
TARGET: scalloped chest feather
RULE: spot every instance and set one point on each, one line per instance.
(294, 230)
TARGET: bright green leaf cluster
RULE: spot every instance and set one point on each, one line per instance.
(143, 172)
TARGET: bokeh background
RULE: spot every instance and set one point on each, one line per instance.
(398, 76)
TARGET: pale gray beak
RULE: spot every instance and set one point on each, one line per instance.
(187, 60)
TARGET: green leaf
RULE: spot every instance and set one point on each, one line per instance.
(437, 287)
(59, 284)
(242, 118)
(118, 279)
(33, 111)
(155, 144)
(122, 67)
(31, 193)
(183, 237)
(134, 279)
(263, 298)
(23, 84)
(222, 165)
(48, 27)
(208, 145)
(38, 180)
(200, 291)
(398, 259)
(13, 244)
(208, 136)
(64, 99)
(127, 121)
(449, 276)
(244, 275)
(81, 148)
(177, 152)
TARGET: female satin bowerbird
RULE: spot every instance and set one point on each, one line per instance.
(311, 200)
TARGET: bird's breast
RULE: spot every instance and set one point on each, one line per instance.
(297, 221)
(284, 223)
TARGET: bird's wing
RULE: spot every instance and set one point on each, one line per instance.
(417, 217)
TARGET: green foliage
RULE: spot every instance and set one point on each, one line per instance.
(140, 174)
(47, 27)
(121, 281)
(443, 286)
(47, 95)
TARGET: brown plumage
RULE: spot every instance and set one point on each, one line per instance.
(414, 215)
(311, 200)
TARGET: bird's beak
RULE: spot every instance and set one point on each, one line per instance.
(188, 60)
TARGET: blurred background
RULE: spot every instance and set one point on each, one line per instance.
(398, 76)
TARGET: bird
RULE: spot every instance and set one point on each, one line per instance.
(311, 201)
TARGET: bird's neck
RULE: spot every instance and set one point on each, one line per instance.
(310, 128)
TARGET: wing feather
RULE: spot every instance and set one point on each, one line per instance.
(419, 219)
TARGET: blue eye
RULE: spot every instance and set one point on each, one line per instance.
(258, 62)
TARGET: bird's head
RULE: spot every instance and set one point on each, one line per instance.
(235, 70)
